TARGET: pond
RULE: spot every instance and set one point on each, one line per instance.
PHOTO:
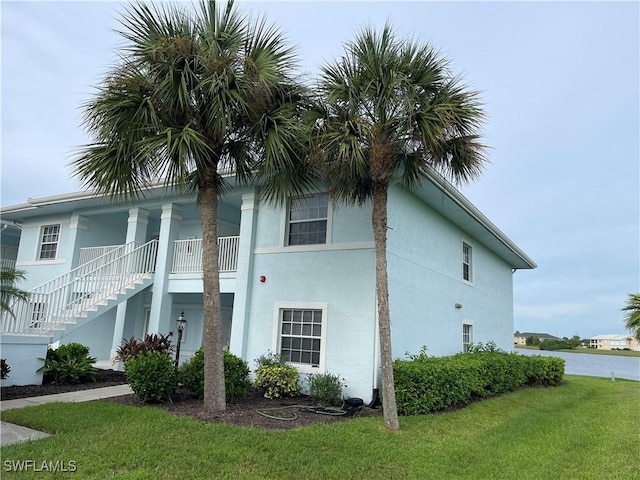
(593, 364)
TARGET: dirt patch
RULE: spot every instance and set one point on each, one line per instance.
(252, 411)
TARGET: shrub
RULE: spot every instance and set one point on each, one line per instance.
(544, 371)
(69, 364)
(236, 375)
(277, 380)
(72, 350)
(4, 369)
(191, 374)
(151, 343)
(555, 345)
(270, 358)
(152, 376)
(428, 384)
(325, 388)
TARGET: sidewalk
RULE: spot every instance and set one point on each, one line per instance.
(10, 433)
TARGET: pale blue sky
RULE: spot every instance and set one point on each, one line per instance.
(560, 83)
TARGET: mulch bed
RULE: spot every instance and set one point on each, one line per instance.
(244, 412)
(104, 378)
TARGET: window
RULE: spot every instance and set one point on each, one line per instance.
(301, 335)
(467, 271)
(49, 242)
(467, 336)
(307, 221)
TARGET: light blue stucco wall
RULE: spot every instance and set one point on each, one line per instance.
(339, 275)
(425, 283)
(39, 272)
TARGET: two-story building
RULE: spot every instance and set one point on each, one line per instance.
(298, 279)
(611, 341)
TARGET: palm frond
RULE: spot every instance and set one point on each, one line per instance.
(392, 107)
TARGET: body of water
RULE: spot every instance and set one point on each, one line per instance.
(593, 364)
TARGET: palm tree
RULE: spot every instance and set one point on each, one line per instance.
(9, 292)
(633, 316)
(389, 109)
(192, 95)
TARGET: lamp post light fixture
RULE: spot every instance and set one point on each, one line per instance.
(182, 322)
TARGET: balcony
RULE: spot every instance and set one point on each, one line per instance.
(7, 264)
(187, 255)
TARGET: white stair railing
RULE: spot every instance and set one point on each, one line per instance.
(91, 253)
(68, 296)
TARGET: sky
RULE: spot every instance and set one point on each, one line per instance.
(560, 87)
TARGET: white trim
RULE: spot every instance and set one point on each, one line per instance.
(40, 262)
(275, 340)
(316, 248)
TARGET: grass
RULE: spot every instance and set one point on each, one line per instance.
(585, 429)
(620, 353)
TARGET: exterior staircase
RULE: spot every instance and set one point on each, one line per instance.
(61, 305)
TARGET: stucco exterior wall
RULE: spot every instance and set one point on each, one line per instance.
(425, 283)
(339, 275)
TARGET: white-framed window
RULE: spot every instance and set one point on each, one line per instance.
(467, 262)
(467, 336)
(307, 220)
(49, 242)
(300, 335)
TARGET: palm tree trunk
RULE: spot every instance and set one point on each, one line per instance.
(379, 220)
(214, 390)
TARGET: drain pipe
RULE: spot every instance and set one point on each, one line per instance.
(375, 394)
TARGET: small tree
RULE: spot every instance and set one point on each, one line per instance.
(9, 292)
(532, 341)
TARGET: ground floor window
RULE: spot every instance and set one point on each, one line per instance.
(467, 336)
(301, 334)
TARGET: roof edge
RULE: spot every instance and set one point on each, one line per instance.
(463, 202)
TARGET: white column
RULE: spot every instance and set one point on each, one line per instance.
(136, 232)
(244, 276)
(77, 223)
(160, 320)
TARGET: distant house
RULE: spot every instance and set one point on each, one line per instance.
(521, 338)
(614, 342)
(296, 279)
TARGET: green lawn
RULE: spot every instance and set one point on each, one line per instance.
(584, 429)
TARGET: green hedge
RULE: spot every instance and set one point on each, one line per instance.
(427, 384)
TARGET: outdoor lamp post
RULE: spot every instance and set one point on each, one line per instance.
(182, 322)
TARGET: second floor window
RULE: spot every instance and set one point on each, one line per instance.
(307, 220)
(466, 263)
(49, 242)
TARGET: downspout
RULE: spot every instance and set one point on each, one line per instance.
(375, 393)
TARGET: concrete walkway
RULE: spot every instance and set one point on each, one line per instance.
(10, 433)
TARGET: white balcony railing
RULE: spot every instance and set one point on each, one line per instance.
(7, 264)
(187, 255)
